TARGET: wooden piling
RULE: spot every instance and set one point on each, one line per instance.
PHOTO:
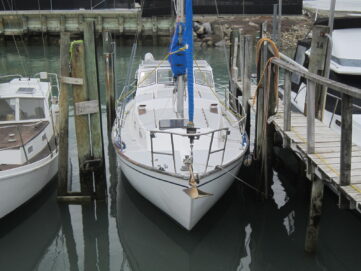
(317, 64)
(287, 106)
(233, 67)
(109, 60)
(314, 214)
(63, 116)
(246, 79)
(93, 91)
(81, 121)
(310, 101)
(346, 146)
(287, 101)
(260, 94)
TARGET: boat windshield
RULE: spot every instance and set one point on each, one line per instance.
(164, 76)
(146, 78)
(31, 108)
(7, 109)
(203, 78)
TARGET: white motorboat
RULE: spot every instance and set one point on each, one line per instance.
(28, 149)
(180, 147)
(345, 67)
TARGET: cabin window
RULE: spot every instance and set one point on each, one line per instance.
(7, 109)
(203, 78)
(165, 76)
(146, 78)
(31, 108)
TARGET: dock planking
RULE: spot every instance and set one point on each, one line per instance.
(326, 158)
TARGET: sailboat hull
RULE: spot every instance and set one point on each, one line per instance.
(19, 185)
(167, 192)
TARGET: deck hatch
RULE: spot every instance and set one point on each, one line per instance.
(172, 124)
(26, 90)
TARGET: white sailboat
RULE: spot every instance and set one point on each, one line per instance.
(179, 144)
(28, 150)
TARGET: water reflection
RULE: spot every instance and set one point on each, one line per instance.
(27, 234)
(152, 241)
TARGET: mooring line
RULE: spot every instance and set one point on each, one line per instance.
(242, 181)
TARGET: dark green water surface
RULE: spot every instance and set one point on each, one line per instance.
(127, 233)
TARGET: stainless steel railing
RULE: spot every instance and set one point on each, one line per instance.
(195, 136)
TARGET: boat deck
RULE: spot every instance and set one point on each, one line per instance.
(13, 136)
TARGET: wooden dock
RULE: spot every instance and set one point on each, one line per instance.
(117, 21)
(330, 157)
(325, 161)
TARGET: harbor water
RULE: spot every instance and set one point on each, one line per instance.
(126, 232)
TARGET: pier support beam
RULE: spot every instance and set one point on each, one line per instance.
(233, 68)
(260, 93)
(317, 64)
(109, 60)
(81, 121)
(246, 79)
(346, 147)
(88, 115)
(314, 214)
(63, 116)
(93, 90)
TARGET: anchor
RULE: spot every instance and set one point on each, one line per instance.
(193, 191)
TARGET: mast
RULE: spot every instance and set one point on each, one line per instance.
(181, 78)
(189, 59)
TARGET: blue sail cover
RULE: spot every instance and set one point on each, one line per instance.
(177, 60)
(182, 61)
(188, 38)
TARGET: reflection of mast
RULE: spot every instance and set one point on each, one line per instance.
(180, 78)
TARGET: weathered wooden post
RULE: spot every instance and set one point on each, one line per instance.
(241, 60)
(274, 35)
(346, 146)
(88, 115)
(63, 116)
(287, 106)
(310, 101)
(314, 214)
(317, 64)
(109, 59)
(81, 120)
(317, 184)
(93, 90)
(233, 67)
(287, 101)
(260, 93)
(246, 79)
(315, 102)
(265, 108)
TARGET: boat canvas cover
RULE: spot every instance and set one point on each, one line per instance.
(177, 58)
